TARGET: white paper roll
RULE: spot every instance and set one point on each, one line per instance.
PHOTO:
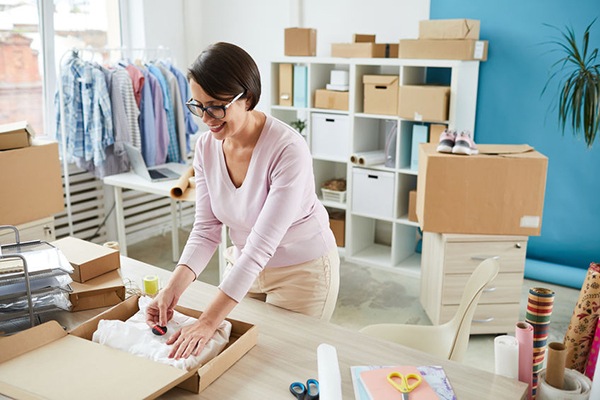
(371, 158)
(330, 380)
(577, 386)
(506, 353)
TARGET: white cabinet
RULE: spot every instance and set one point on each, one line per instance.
(386, 238)
(41, 229)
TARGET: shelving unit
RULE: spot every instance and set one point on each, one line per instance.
(384, 242)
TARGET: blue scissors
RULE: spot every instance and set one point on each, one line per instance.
(310, 391)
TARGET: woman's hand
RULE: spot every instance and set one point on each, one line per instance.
(191, 339)
(161, 308)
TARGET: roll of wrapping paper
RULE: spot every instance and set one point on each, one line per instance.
(539, 310)
(555, 370)
(580, 333)
(524, 335)
(182, 184)
(592, 360)
(506, 356)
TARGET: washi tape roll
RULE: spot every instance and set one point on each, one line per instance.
(151, 285)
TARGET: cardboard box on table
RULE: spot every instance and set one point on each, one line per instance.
(300, 42)
(497, 192)
(424, 102)
(15, 135)
(31, 183)
(381, 94)
(47, 362)
(103, 291)
(438, 49)
(88, 259)
(449, 29)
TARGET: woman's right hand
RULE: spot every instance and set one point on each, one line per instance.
(160, 310)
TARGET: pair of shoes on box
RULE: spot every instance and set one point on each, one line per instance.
(461, 143)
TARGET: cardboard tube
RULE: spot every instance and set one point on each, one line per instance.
(555, 371)
(182, 184)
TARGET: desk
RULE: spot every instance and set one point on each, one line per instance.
(130, 180)
(287, 351)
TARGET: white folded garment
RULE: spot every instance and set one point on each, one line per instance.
(136, 337)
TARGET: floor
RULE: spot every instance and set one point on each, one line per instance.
(369, 295)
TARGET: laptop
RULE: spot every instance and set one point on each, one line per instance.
(154, 174)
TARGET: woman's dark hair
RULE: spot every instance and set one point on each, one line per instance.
(225, 70)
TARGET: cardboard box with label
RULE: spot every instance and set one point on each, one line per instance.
(15, 135)
(300, 42)
(332, 99)
(381, 94)
(449, 29)
(31, 183)
(450, 49)
(47, 362)
(424, 102)
(88, 259)
(500, 191)
(103, 291)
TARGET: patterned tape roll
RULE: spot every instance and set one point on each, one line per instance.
(151, 285)
(580, 333)
(539, 309)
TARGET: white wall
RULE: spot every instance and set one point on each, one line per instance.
(188, 26)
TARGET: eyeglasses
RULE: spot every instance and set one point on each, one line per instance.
(217, 112)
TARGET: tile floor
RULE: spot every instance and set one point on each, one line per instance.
(370, 295)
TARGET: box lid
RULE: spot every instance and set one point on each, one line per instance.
(80, 251)
(106, 282)
(46, 362)
(380, 79)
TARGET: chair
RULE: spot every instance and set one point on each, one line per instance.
(448, 340)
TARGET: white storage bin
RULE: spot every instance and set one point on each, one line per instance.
(373, 193)
(330, 136)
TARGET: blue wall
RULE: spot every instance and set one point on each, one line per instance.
(510, 109)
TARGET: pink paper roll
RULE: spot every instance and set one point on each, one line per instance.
(592, 360)
(524, 335)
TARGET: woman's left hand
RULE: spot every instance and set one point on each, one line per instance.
(190, 340)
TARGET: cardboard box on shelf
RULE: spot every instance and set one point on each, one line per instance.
(500, 191)
(435, 130)
(450, 49)
(286, 84)
(88, 259)
(103, 291)
(424, 102)
(337, 222)
(15, 135)
(412, 206)
(300, 42)
(449, 29)
(364, 50)
(69, 362)
(332, 99)
(381, 94)
(31, 183)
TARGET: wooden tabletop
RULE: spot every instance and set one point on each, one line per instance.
(287, 351)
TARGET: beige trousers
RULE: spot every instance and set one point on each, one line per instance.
(309, 288)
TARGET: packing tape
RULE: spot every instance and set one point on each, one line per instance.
(151, 285)
(112, 245)
(576, 386)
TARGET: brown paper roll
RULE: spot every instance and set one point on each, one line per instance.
(182, 184)
(555, 369)
(580, 332)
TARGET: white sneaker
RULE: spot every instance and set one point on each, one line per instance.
(464, 144)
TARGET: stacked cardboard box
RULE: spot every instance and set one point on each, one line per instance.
(364, 46)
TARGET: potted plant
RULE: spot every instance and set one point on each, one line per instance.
(298, 125)
(578, 72)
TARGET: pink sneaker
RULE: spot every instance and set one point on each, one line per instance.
(447, 139)
(464, 144)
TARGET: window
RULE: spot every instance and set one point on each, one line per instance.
(34, 35)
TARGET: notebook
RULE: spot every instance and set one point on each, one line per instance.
(378, 388)
(154, 174)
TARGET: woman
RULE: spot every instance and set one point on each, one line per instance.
(254, 174)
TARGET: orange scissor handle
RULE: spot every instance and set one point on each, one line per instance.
(406, 383)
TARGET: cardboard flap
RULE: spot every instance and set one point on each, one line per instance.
(30, 339)
(380, 79)
(503, 149)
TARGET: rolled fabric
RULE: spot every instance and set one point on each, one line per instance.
(539, 309)
(577, 386)
(524, 335)
(506, 356)
(182, 184)
(580, 333)
(592, 360)
(555, 371)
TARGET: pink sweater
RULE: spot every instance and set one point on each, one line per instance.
(275, 218)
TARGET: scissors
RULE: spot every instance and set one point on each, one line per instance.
(310, 391)
(405, 383)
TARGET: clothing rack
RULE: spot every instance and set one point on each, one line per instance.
(63, 128)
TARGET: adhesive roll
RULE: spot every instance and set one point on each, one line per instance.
(151, 285)
(577, 386)
(506, 353)
(592, 360)
(330, 380)
(580, 333)
(112, 245)
(524, 335)
(555, 370)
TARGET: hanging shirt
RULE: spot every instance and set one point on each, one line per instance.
(122, 79)
(178, 107)
(137, 82)
(173, 147)
(275, 218)
(160, 119)
(184, 90)
(148, 125)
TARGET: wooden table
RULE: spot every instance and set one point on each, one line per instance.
(287, 351)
